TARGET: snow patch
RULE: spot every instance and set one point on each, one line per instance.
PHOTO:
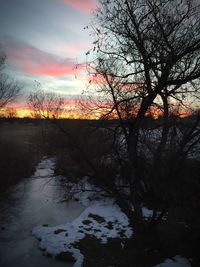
(177, 261)
(102, 218)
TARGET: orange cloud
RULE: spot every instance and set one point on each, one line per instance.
(82, 5)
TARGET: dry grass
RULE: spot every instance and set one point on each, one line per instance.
(21, 147)
(18, 132)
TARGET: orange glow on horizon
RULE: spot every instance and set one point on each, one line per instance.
(75, 114)
(72, 109)
(70, 114)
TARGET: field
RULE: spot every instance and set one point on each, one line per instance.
(24, 143)
(20, 149)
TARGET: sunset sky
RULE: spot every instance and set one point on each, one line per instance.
(44, 40)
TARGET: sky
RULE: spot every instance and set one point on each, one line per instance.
(44, 40)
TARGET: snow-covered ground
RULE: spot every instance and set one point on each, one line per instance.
(101, 218)
(176, 261)
(40, 204)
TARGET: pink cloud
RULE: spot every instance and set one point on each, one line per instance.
(48, 68)
(82, 5)
(29, 59)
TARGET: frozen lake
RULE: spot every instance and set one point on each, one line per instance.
(34, 201)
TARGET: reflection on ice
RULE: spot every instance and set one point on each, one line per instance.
(35, 201)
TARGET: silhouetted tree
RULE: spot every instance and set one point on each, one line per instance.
(9, 89)
(146, 60)
(11, 113)
(45, 104)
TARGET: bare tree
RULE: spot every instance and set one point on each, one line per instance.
(146, 60)
(11, 113)
(45, 104)
(9, 89)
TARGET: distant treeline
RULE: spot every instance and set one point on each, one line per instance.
(149, 121)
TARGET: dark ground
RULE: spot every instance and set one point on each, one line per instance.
(23, 143)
